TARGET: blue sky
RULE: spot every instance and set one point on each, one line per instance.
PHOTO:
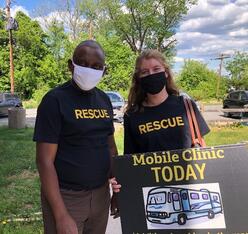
(210, 28)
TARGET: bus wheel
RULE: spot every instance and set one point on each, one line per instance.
(181, 219)
(211, 214)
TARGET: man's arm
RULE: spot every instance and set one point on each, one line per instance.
(114, 208)
(112, 146)
(113, 152)
(45, 156)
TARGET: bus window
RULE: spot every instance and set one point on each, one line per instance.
(215, 198)
(205, 196)
(194, 196)
(155, 199)
(175, 197)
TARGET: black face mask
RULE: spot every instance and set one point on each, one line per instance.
(153, 83)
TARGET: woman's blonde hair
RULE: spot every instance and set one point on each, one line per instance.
(136, 94)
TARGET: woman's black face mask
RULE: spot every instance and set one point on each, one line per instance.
(153, 83)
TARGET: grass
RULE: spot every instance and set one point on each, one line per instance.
(19, 183)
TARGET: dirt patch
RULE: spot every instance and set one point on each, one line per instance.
(25, 174)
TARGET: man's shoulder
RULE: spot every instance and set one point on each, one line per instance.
(59, 90)
(101, 94)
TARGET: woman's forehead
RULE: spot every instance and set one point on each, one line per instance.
(150, 62)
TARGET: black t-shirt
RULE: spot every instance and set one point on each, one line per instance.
(162, 127)
(80, 123)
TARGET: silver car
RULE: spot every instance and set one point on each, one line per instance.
(118, 104)
(8, 100)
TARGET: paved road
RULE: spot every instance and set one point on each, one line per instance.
(211, 113)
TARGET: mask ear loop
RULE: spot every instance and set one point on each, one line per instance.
(74, 64)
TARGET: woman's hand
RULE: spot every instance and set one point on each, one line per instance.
(115, 186)
(114, 207)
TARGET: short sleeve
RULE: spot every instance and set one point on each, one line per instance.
(48, 121)
(204, 129)
(129, 142)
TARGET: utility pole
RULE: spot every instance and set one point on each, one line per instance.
(90, 29)
(221, 58)
(12, 87)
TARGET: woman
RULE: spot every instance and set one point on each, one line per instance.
(155, 118)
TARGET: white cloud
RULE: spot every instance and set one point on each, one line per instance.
(60, 16)
(239, 33)
(242, 3)
(213, 27)
(16, 8)
(242, 19)
(44, 21)
(179, 59)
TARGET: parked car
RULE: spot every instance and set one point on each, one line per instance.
(8, 100)
(118, 104)
(236, 100)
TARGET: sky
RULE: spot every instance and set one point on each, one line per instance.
(210, 28)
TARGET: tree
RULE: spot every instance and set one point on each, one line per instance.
(71, 13)
(238, 71)
(119, 61)
(199, 81)
(30, 49)
(91, 11)
(4, 54)
(147, 23)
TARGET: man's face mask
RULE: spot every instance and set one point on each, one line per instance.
(153, 83)
(86, 78)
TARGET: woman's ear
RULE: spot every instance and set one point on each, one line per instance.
(70, 65)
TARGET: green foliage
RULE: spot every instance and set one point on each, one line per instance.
(200, 82)
(146, 23)
(40, 59)
(120, 63)
(29, 49)
(238, 71)
(39, 94)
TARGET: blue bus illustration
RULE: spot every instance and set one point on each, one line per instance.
(168, 205)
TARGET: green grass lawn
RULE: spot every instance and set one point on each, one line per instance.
(19, 183)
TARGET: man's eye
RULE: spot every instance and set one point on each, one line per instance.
(98, 67)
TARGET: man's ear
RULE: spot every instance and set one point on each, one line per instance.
(70, 65)
(105, 71)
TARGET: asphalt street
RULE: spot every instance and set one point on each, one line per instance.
(211, 113)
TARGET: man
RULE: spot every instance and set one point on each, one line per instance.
(74, 135)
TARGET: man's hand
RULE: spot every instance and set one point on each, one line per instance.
(66, 225)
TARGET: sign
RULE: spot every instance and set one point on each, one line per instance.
(191, 191)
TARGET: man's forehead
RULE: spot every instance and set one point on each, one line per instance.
(85, 51)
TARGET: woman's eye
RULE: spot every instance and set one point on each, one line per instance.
(158, 69)
(144, 73)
